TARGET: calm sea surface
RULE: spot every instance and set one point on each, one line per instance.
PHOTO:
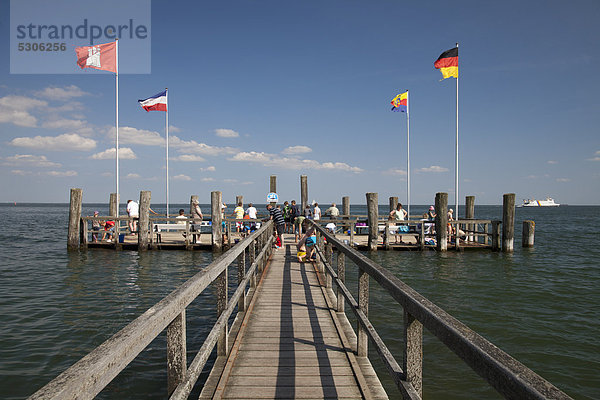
(540, 305)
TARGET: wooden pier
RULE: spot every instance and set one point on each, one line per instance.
(283, 333)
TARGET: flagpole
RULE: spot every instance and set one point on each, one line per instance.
(408, 153)
(167, 139)
(456, 160)
(117, 119)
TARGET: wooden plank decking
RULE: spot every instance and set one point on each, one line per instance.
(292, 343)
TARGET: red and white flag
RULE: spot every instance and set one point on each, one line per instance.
(158, 102)
(100, 56)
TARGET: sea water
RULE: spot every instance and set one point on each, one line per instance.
(540, 305)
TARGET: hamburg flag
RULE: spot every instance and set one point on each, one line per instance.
(100, 56)
(158, 102)
(400, 102)
(447, 63)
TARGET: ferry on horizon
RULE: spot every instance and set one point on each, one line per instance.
(549, 202)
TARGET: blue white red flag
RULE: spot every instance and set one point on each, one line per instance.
(158, 102)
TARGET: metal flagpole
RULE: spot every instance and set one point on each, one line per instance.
(117, 120)
(167, 139)
(456, 161)
(408, 153)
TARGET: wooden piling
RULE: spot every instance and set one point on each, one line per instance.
(113, 205)
(273, 184)
(239, 199)
(373, 216)
(303, 192)
(215, 207)
(508, 222)
(441, 221)
(346, 206)
(393, 203)
(144, 220)
(470, 214)
(528, 233)
(496, 235)
(74, 219)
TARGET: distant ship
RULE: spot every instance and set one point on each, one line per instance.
(549, 202)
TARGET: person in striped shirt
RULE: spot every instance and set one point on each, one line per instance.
(278, 220)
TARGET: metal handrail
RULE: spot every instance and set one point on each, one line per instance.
(87, 377)
(504, 373)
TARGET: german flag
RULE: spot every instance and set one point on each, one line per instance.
(447, 63)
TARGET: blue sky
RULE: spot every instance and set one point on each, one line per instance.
(288, 88)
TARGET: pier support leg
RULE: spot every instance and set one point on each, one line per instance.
(176, 352)
(144, 221)
(373, 216)
(217, 232)
(362, 340)
(74, 219)
(346, 206)
(441, 221)
(113, 205)
(393, 203)
(496, 235)
(508, 222)
(528, 233)
(303, 192)
(413, 352)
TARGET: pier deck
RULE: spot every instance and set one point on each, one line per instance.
(292, 343)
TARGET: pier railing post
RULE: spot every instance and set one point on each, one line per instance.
(144, 220)
(328, 259)
(496, 235)
(241, 276)
(441, 221)
(303, 192)
(341, 271)
(176, 352)
(221, 291)
(373, 216)
(508, 222)
(362, 340)
(73, 236)
(528, 233)
(215, 207)
(413, 352)
(252, 255)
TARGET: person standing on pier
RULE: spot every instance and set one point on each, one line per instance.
(133, 210)
(286, 216)
(316, 212)
(277, 216)
(294, 214)
(333, 211)
(238, 213)
(399, 214)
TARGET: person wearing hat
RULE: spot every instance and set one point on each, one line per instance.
(95, 227)
(431, 213)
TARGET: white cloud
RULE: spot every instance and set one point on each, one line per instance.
(130, 135)
(61, 174)
(230, 180)
(211, 169)
(272, 160)
(182, 177)
(58, 93)
(192, 146)
(125, 153)
(132, 175)
(30, 160)
(20, 172)
(189, 158)
(64, 142)
(552, 162)
(395, 171)
(174, 129)
(596, 158)
(207, 179)
(77, 125)
(15, 110)
(226, 133)
(563, 180)
(433, 168)
(296, 150)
